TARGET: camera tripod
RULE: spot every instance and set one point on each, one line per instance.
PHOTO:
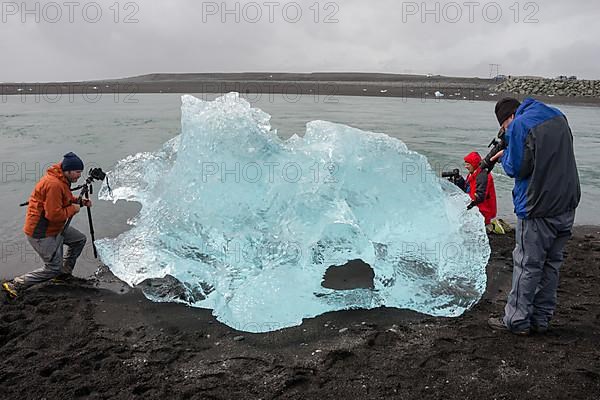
(86, 190)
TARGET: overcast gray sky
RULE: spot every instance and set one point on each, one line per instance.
(81, 40)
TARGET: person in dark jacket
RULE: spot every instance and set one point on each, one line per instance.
(50, 205)
(479, 184)
(539, 156)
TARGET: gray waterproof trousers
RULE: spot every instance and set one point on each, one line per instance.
(50, 250)
(537, 258)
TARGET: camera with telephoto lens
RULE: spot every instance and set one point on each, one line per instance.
(498, 145)
(454, 177)
(451, 174)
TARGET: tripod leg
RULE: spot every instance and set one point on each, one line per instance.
(91, 224)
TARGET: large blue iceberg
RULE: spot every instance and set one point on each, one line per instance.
(250, 223)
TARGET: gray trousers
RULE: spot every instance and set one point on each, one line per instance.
(537, 258)
(50, 250)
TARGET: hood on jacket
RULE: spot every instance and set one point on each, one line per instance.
(56, 171)
(473, 158)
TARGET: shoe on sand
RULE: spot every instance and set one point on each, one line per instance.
(505, 225)
(10, 288)
(539, 329)
(498, 325)
(497, 227)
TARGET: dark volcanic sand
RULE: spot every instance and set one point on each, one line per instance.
(64, 341)
(324, 87)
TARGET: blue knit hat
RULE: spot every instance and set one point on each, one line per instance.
(71, 162)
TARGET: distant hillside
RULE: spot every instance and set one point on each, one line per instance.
(296, 77)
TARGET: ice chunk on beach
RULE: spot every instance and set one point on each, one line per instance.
(250, 223)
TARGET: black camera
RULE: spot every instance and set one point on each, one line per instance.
(450, 174)
(97, 174)
(94, 174)
(498, 145)
(455, 177)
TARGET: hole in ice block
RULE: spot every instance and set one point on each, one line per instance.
(355, 274)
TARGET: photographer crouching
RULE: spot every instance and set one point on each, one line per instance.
(50, 208)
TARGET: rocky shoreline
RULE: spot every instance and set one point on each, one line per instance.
(550, 87)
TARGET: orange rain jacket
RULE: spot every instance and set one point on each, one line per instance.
(50, 205)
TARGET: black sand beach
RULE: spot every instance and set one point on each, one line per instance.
(64, 341)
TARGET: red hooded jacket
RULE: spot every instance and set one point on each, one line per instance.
(481, 189)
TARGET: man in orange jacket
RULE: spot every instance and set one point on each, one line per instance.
(51, 204)
(479, 184)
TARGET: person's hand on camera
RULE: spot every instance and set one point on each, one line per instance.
(497, 156)
(86, 202)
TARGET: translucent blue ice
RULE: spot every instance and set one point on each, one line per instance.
(250, 223)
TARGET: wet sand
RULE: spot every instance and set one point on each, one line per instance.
(63, 341)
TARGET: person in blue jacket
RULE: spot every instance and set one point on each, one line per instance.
(539, 156)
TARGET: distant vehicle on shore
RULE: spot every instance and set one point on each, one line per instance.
(566, 78)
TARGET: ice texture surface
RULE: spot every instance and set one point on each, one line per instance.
(249, 223)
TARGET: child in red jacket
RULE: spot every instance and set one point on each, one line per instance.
(479, 184)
